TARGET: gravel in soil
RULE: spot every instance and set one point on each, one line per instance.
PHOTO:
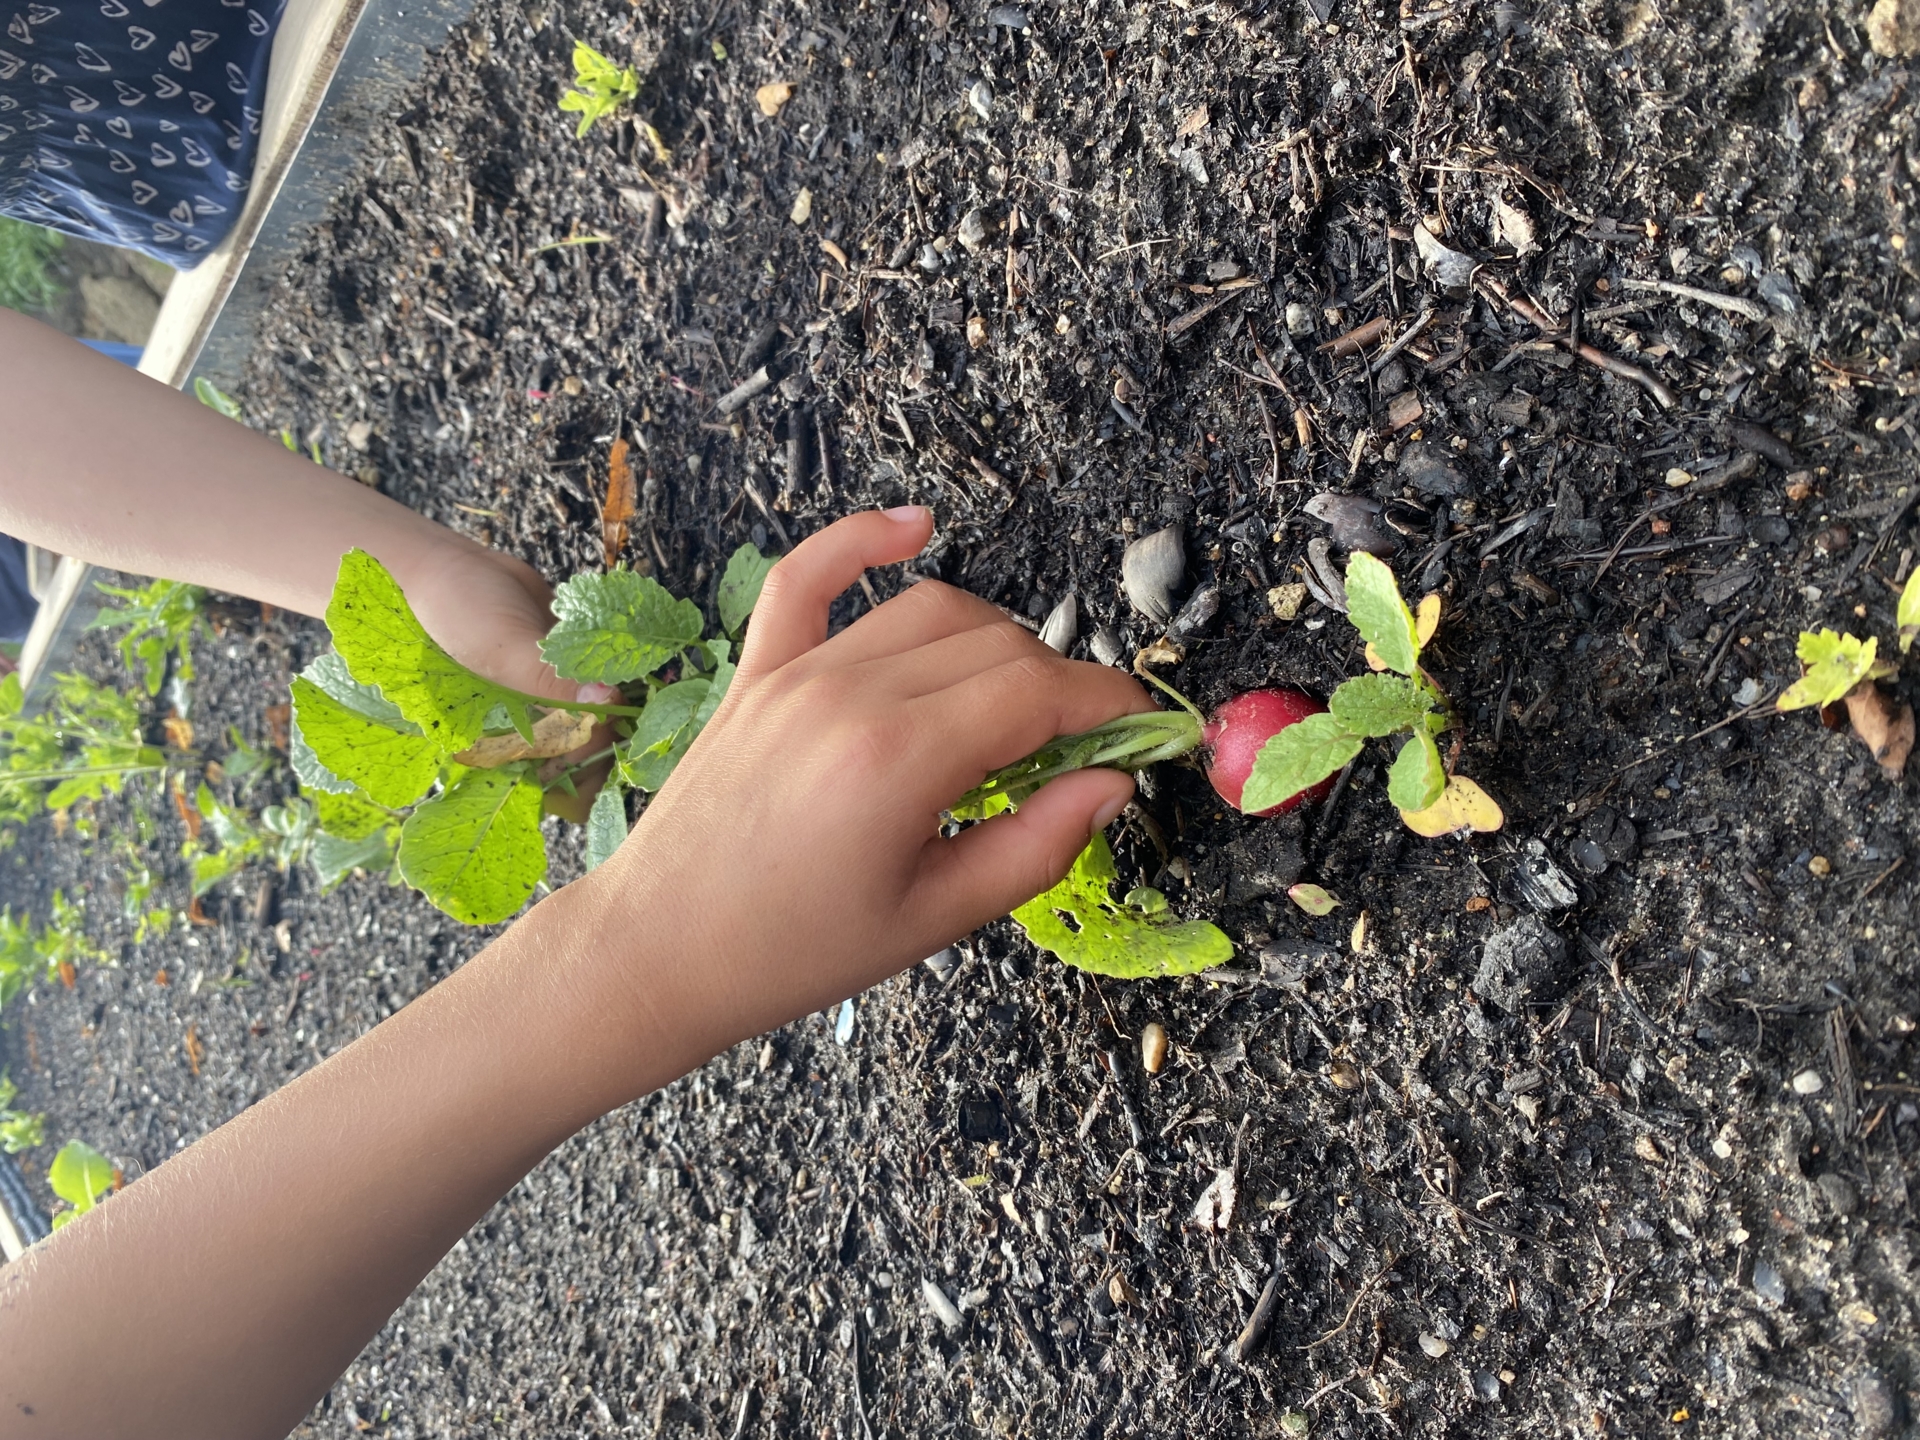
(1608, 1123)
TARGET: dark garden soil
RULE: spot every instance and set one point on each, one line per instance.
(1606, 1125)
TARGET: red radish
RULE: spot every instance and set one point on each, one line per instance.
(1239, 728)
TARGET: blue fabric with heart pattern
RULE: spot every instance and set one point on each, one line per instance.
(133, 122)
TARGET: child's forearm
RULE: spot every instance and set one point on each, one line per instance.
(106, 465)
(279, 1244)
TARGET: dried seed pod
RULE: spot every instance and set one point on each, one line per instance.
(1153, 1046)
(1121, 1292)
(1062, 626)
(1344, 1075)
(1152, 570)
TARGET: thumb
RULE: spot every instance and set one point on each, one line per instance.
(986, 871)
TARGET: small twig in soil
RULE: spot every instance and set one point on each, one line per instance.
(1254, 1333)
(1328, 1388)
(1612, 364)
(766, 510)
(1411, 334)
(1360, 1295)
(1733, 304)
(1761, 704)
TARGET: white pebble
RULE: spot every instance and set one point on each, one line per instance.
(944, 1310)
(1434, 1346)
(1808, 1082)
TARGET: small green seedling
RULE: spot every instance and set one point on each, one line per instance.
(81, 1176)
(1137, 938)
(160, 618)
(18, 1131)
(413, 761)
(216, 399)
(599, 87)
(1398, 699)
(1907, 617)
(1835, 663)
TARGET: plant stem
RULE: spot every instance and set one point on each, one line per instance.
(567, 774)
(1130, 743)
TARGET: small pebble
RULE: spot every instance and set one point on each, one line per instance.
(1748, 692)
(1433, 1345)
(1809, 1082)
(1839, 1193)
(1820, 865)
(944, 1310)
(1107, 646)
(1486, 1385)
(1876, 1410)
(973, 229)
(1299, 318)
(980, 97)
(1153, 1046)
(1723, 1147)
(1588, 856)
(1768, 1284)
(943, 963)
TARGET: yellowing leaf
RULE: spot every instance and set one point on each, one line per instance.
(1313, 899)
(1834, 664)
(1462, 806)
(1426, 619)
(1908, 616)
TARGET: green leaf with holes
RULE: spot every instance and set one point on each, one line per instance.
(1081, 923)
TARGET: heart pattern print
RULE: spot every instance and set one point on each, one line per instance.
(134, 125)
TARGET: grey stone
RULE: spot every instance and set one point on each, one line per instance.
(1519, 961)
(1839, 1192)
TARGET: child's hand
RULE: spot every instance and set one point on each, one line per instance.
(795, 858)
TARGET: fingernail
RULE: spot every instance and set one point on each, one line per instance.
(1107, 814)
(907, 514)
(593, 693)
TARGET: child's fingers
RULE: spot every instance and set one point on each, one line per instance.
(928, 612)
(989, 869)
(995, 717)
(940, 662)
(791, 616)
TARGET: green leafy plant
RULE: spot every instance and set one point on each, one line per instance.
(85, 743)
(1399, 698)
(413, 761)
(18, 1131)
(599, 86)
(1835, 663)
(284, 835)
(1081, 923)
(160, 618)
(56, 950)
(81, 1176)
(26, 264)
